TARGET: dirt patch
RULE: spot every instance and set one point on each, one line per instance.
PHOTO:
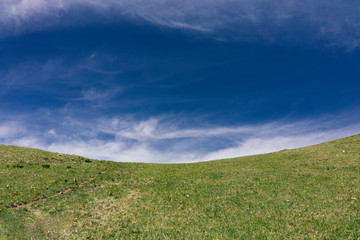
(60, 192)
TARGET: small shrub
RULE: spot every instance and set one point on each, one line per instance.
(46, 165)
(18, 166)
(87, 160)
(68, 167)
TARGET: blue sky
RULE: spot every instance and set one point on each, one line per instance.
(177, 81)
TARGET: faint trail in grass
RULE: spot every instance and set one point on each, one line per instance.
(60, 192)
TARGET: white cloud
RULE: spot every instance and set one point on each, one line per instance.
(334, 21)
(10, 129)
(115, 151)
(52, 132)
(144, 152)
(260, 145)
(29, 141)
(162, 140)
(98, 96)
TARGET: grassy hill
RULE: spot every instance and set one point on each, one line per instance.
(305, 193)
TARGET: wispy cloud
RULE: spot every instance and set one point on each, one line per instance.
(261, 144)
(73, 87)
(160, 139)
(92, 94)
(32, 75)
(335, 22)
(98, 97)
(9, 130)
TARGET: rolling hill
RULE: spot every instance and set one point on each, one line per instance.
(305, 193)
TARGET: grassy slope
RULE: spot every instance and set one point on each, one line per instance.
(307, 193)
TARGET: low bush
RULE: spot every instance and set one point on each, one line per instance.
(18, 166)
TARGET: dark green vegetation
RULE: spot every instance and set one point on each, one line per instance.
(306, 193)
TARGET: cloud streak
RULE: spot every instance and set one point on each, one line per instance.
(161, 140)
(334, 22)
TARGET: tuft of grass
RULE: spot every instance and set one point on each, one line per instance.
(305, 193)
(18, 166)
(46, 165)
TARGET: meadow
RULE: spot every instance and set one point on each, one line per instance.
(304, 193)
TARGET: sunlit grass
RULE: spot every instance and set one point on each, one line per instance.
(308, 193)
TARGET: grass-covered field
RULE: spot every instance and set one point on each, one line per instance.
(307, 193)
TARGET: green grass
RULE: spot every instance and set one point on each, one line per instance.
(306, 193)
